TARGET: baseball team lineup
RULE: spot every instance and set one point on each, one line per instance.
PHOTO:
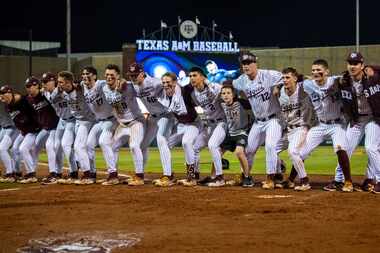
(282, 110)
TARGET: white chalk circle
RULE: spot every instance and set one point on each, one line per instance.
(97, 242)
(274, 196)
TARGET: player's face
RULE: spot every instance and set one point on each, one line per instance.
(211, 68)
(32, 90)
(196, 79)
(290, 80)
(227, 95)
(169, 85)
(250, 69)
(355, 68)
(369, 71)
(49, 86)
(64, 84)
(6, 97)
(111, 77)
(319, 73)
(88, 77)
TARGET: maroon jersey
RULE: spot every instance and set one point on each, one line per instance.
(46, 115)
(191, 114)
(24, 116)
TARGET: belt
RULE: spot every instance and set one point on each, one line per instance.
(70, 118)
(214, 120)
(363, 115)
(110, 117)
(294, 126)
(157, 115)
(332, 121)
(267, 118)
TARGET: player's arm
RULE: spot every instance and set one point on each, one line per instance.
(306, 108)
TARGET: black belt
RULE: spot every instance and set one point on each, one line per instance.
(71, 118)
(363, 115)
(332, 121)
(214, 120)
(267, 118)
(157, 115)
(8, 127)
(294, 126)
(110, 117)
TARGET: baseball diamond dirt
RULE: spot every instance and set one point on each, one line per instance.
(196, 219)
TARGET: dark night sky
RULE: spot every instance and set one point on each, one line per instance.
(104, 25)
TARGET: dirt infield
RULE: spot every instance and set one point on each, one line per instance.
(199, 219)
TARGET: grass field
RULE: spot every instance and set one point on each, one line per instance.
(322, 161)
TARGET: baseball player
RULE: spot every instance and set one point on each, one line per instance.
(101, 133)
(360, 109)
(122, 97)
(328, 109)
(207, 96)
(7, 136)
(257, 85)
(25, 119)
(66, 122)
(66, 125)
(237, 120)
(186, 130)
(48, 120)
(298, 113)
(150, 91)
(74, 93)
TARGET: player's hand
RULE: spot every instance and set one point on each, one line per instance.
(276, 91)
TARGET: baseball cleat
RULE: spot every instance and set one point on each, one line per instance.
(376, 189)
(189, 182)
(205, 180)
(111, 181)
(51, 179)
(165, 181)
(135, 181)
(8, 178)
(302, 187)
(236, 181)
(348, 187)
(268, 184)
(29, 178)
(248, 182)
(217, 182)
(334, 186)
(86, 179)
(287, 184)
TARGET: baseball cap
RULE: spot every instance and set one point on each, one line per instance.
(355, 57)
(5, 89)
(247, 57)
(48, 76)
(32, 81)
(135, 69)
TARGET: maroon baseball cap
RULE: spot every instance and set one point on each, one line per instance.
(48, 76)
(135, 69)
(355, 57)
(247, 57)
(32, 81)
(5, 89)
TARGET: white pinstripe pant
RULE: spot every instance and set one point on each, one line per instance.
(8, 137)
(212, 136)
(66, 142)
(101, 134)
(134, 132)
(80, 144)
(27, 148)
(161, 129)
(271, 130)
(316, 135)
(186, 133)
(297, 137)
(371, 130)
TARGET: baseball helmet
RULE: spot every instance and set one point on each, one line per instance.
(5, 89)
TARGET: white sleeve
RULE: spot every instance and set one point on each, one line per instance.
(275, 77)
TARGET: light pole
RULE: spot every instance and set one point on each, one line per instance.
(357, 26)
(68, 34)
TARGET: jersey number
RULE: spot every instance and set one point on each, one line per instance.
(265, 96)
